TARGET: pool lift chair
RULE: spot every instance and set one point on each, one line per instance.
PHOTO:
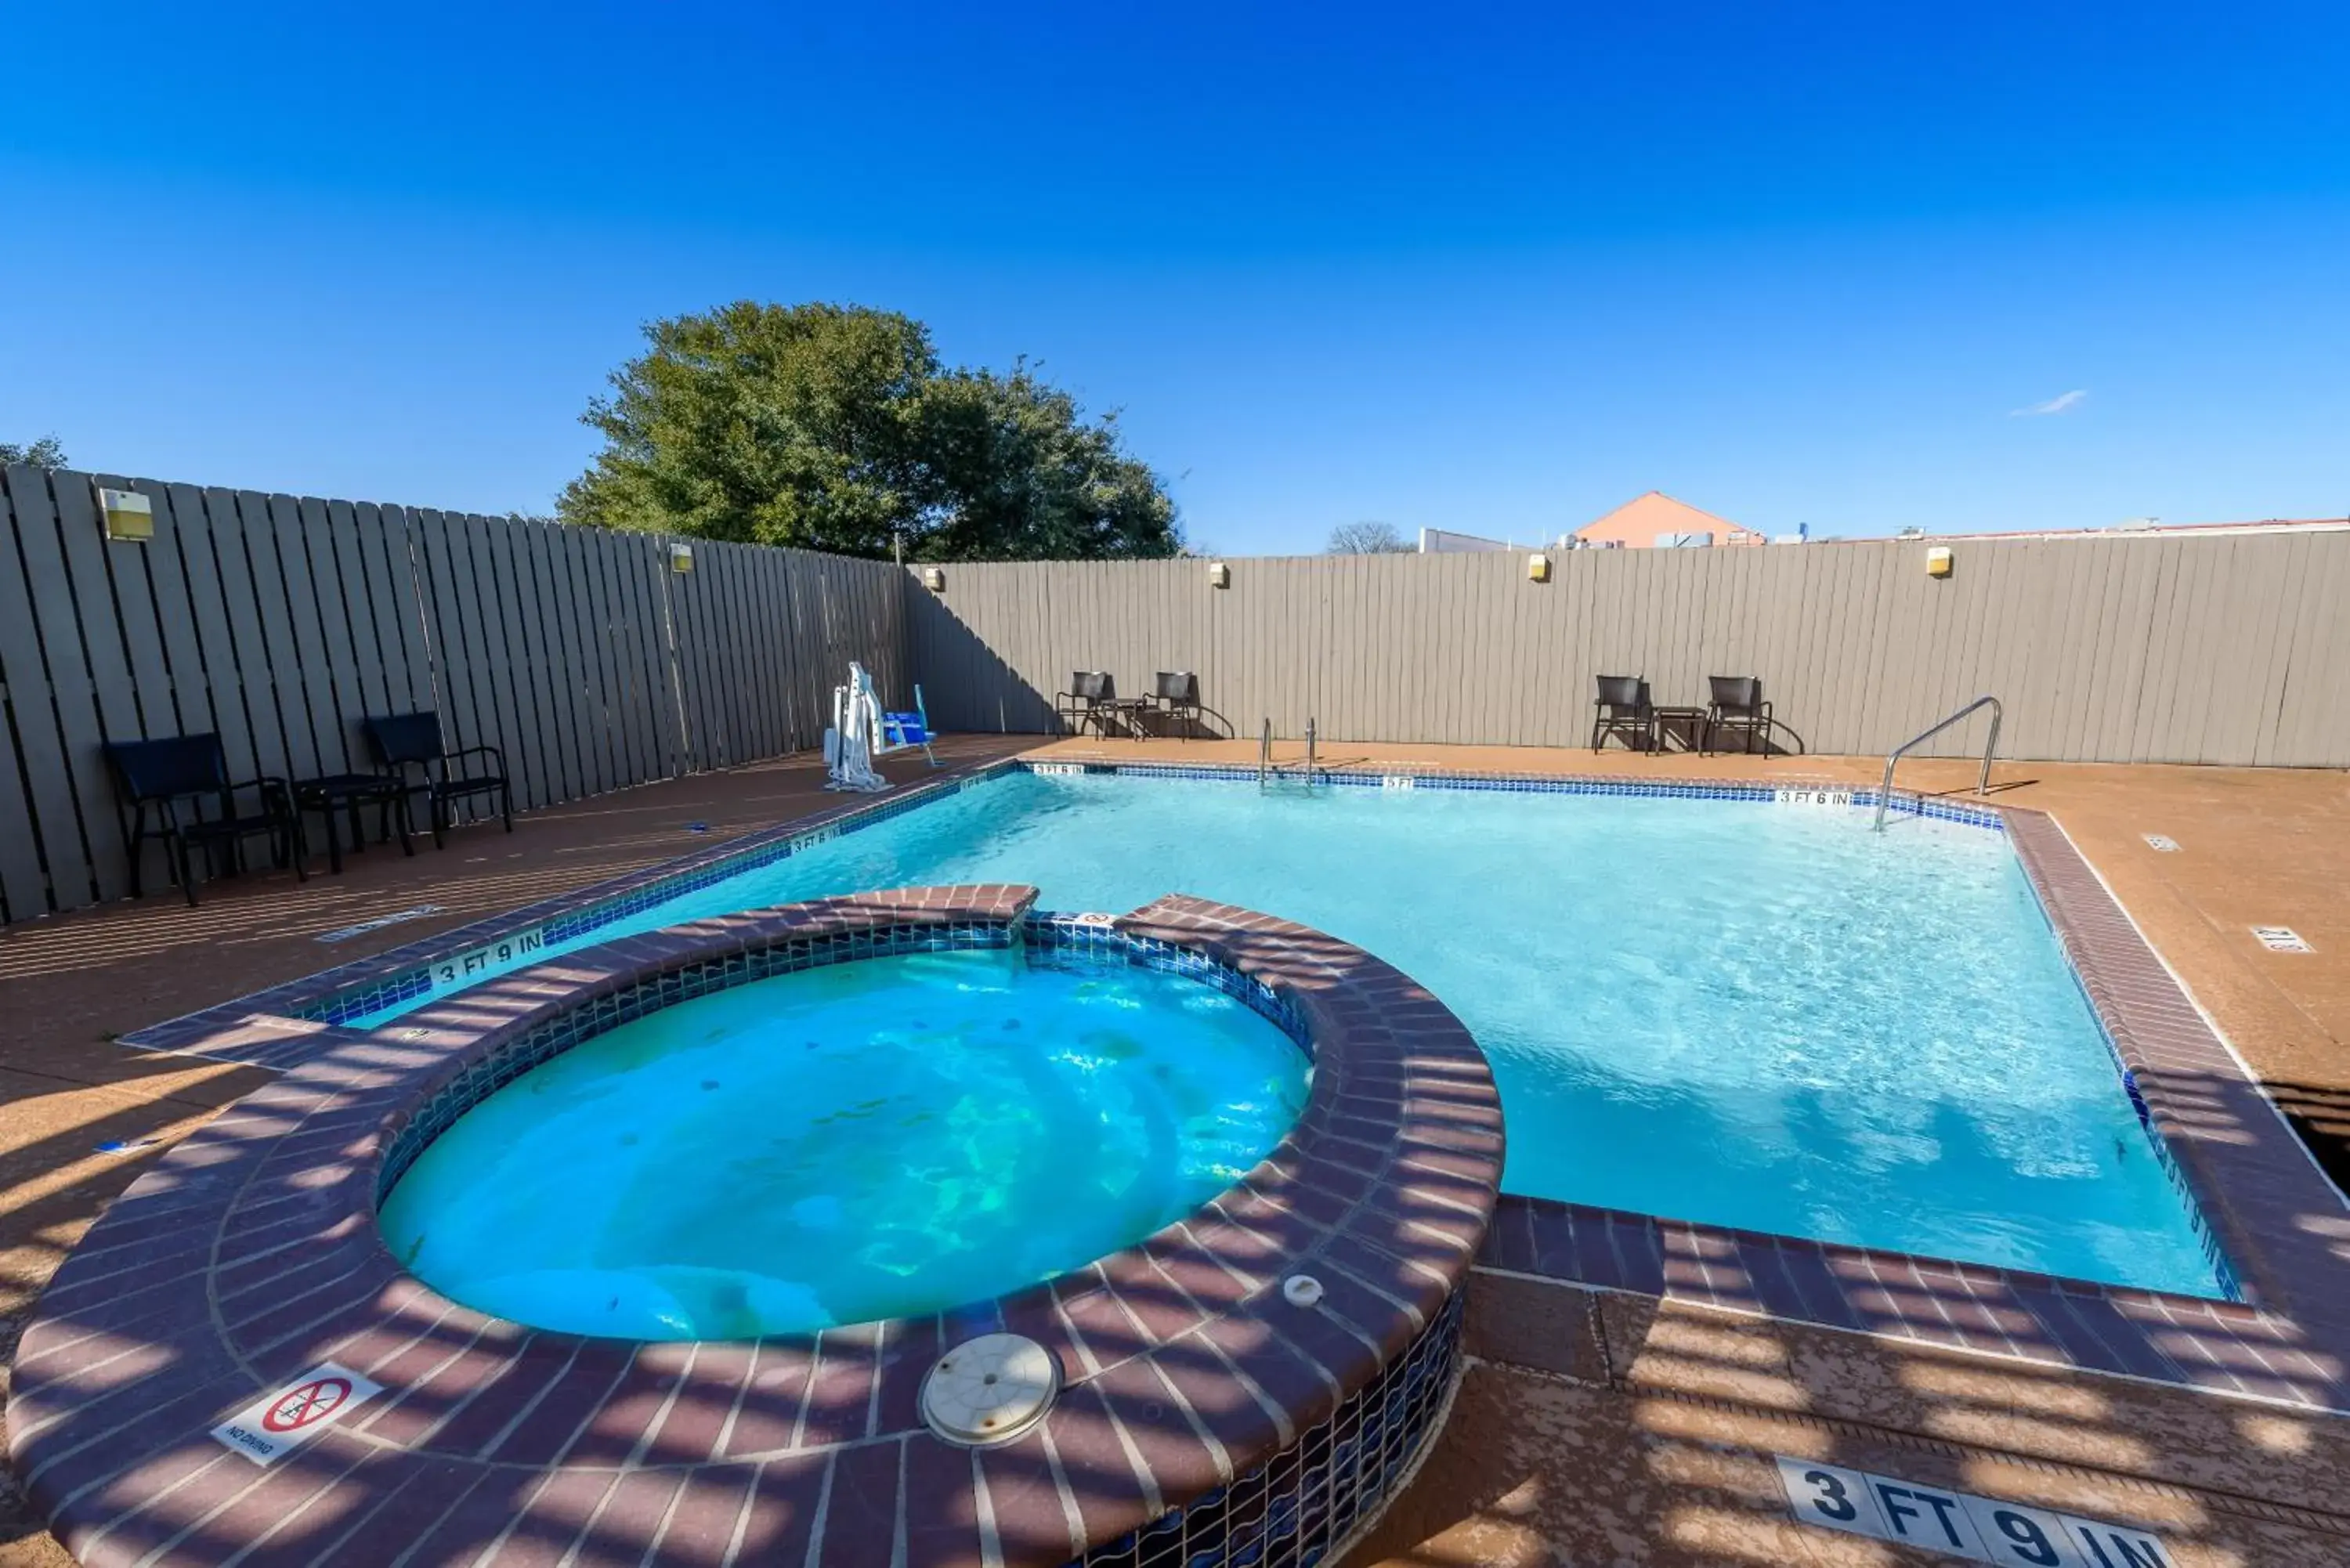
(904, 732)
(862, 731)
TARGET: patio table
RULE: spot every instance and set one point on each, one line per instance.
(1690, 723)
(1130, 713)
(332, 794)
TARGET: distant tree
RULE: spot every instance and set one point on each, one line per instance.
(835, 428)
(43, 453)
(1368, 539)
(1011, 472)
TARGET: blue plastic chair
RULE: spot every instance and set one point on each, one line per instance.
(900, 731)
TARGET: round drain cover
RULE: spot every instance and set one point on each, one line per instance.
(990, 1389)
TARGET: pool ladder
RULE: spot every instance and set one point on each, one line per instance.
(1267, 769)
(1982, 780)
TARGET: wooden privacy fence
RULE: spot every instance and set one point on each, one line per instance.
(280, 622)
(2227, 649)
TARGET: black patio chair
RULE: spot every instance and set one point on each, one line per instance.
(1622, 708)
(1092, 699)
(192, 770)
(1736, 704)
(1178, 695)
(403, 741)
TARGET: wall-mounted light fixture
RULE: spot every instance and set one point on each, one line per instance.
(126, 514)
(1219, 574)
(1938, 561)
(681, 557)
(1538, 568)
(934, 579)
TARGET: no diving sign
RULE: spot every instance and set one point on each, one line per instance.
(281, 1421)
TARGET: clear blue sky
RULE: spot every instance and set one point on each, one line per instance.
(1480, 267)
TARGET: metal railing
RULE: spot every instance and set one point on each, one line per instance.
(1267, 769)
(1982, 780)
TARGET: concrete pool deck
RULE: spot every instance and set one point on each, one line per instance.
(2255, 848)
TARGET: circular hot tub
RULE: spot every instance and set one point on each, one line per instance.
(949, 1231)
(846, 1144)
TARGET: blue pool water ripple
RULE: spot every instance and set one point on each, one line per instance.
(846, 1144)
(1733, 1012)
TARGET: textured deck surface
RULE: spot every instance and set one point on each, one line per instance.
(1510, 1480)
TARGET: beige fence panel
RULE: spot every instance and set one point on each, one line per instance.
(280, 622)
(2162, 647)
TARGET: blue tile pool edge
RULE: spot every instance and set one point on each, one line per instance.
(1905, 804)
(1860, 797)
(337, 995)
(352, 991)
(325, 999)
(2182, 1181)
(1052, 941)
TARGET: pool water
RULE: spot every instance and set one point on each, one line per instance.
(839, 1144)
(1735, 1013)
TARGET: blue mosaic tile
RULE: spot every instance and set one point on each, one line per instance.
(1061, 940)
(2224, 1270)
(1306, 1503)
(1051, 932)
(344, 1005)
(1050, 936)
(1527, 784)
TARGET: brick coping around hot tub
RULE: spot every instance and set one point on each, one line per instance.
(2279, 1224)
(250, 1257)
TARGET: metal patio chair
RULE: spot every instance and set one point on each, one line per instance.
(1176, 693)
(192, 770)
(1092, 699)
(403, 741)
(1622, 708)
(1736, 704)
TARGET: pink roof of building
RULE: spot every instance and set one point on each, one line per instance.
(1657, 518)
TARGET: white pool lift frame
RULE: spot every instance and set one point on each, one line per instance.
(862, 731)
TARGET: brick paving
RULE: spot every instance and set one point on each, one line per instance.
(248, 1259)
(2255, 844)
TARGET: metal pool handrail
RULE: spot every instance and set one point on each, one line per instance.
(1266, 766)
(1982, 781)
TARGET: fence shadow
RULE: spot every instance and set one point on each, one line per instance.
(2320, 1114)
(1654, 1441)
(966, 684)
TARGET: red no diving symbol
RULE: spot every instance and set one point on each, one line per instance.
(306, 1404)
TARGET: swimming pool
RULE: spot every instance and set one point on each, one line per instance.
(846, 1144)
(1721, 1011)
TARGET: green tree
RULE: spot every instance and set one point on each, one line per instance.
(43, 453)
(1012, 473)
(835, 428)
(1368, 539)
(757, 422)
